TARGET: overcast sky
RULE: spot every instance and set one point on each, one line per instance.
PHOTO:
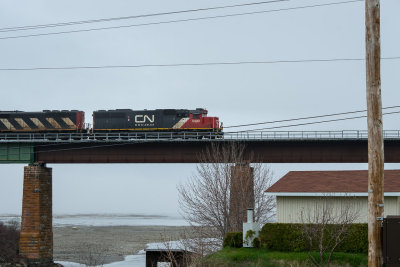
(237, 93)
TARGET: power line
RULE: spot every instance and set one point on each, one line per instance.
(180, 20)
(61, 24)
(304, 118)
(309, 123)
(195, 64)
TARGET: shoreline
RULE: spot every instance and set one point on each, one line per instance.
(107, 244)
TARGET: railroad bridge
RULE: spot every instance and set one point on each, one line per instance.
(36, 239)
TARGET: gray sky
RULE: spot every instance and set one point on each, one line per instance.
(237, 94)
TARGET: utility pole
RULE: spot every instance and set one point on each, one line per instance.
(375, 133)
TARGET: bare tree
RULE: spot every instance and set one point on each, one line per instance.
(206, 199)
(327, 224)
(92, 254)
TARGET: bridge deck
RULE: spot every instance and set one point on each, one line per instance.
(268, 147)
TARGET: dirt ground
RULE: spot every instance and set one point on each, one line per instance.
(107, 243)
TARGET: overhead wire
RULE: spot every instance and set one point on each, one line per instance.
(62, 24)
(194, 64)
(310, 123)
(181, 20)
(305, 118)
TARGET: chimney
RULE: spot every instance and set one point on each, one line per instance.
(250, 216)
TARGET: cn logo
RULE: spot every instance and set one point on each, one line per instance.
(144, 118)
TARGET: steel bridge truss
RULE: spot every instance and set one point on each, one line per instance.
(189, 136)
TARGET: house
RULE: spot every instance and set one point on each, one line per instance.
(299, 192)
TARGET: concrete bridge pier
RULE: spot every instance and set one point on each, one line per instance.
(36, 237)
(241, 195)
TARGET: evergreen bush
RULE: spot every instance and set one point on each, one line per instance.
(233, 240)
(256, 242)
(283, 237)
(288, 237)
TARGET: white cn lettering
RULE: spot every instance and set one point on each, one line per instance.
(144, 118)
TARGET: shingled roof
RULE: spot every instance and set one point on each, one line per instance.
(332, 182)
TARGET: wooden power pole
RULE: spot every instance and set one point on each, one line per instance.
(375, 132)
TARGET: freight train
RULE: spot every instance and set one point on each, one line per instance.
(118, 120)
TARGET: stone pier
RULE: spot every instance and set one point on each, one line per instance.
(241, 195)
(36, 237)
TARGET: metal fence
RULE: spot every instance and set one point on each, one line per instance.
(308, 135)
(190, 136)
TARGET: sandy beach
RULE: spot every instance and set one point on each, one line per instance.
(110, 243)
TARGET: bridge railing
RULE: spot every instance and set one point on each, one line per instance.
(300, 135)
(189, 136)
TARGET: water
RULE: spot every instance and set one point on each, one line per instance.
(139, 260)
(130, 261)
(107, 220)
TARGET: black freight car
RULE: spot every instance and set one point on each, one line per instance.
(43, 121)
(154, 120)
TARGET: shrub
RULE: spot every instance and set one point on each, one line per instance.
(9, 242)
(282, 237)
(288, 237)
(233, 240)
(256, 242)
(249, 236)
(356, 240)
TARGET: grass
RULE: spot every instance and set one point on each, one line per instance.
(264, 257)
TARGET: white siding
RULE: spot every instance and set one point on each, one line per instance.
(290, 209)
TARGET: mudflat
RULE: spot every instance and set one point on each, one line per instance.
(107, 244)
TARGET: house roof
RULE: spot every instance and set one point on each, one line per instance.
(306, 182)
